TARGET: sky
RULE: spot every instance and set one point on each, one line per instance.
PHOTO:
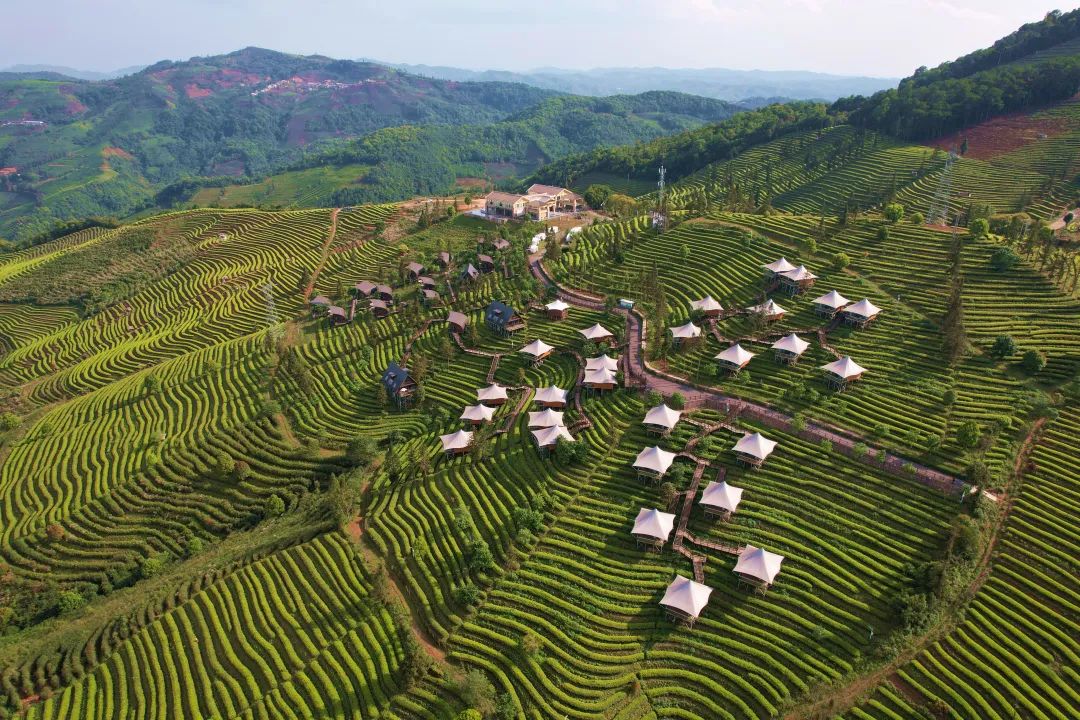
(885, 38)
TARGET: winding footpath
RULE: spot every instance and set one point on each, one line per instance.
(649, 377)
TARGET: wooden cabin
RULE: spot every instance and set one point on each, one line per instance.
(400, 388)
(502, 319)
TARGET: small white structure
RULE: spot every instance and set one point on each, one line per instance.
(681, 334)
(685, 599)
(477, 414)
(721, 499)
(661, 419)
(789, 348)
(653, 528)
(600, 379)
(550, 397)
(841, 373)
(860, 313)
(652, 463)
(602, 362)
(493, 394)
(777, 266)
(596, 333)
(556, 309)
(707, 306)
(769, 310)
(545, 418)
(797, 280)
(538, 349)
(547, 438)
(829, 303)
(758, 566)
(734, 358)
(754, 448)
(456, 443)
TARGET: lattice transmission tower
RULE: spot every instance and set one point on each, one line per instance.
(660, 215)
(939, 206)
(273, 325)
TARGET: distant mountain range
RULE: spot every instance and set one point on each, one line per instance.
(720, 83)
(61, 70)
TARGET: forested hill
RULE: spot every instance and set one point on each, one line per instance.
(74, 148)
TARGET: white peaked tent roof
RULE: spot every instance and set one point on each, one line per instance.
(768, 308)
(602, 362)
(689, 330)
(595, 332)
(755, 445)
(551, 435)
(791, 343)
(721, 495)
(654, 523)
(799, 273)
(600, 376)
(863, 308)
(537, 348)
(845, 367)
(550, 395)
(686, 595)
(736, 355)
(477, 413)
(491, 392)
(456, 441)
(557, 305)
(832, 299)
(759, 563)
(663, 416)
(545, 418)
(779, 266)
(654, 459)
(706, 304)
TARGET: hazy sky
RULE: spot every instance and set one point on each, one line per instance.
(865, 37)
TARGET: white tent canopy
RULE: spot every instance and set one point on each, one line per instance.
(654, 460)
(706, 304)
(832, 299)
(736, 355)
(689, 330)
(755, 445)
(759, 563)
(537, 348)
(456, 441)
(653, 523)
(602, 362)
(791, 343)
(548, 436)
(799, 274)
(557, 305)
(600, 376)
(662, 416)
(779, 266)
(595, 332)
(721, 495)
(477, 413)
(863, 308)
(845, 368)
(687, 596)
(545, 418)
(491, 392)
(768, 308)
(550, 395)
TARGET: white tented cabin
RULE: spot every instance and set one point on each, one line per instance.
(758, 567)
(797, 281)
(734, 359)
(545, 418)
(830, 303)
(557, 309)
(860, 314)
(550, 397)
(685, 600)
(789, 349)
(661, 419)
(547, 438)
(538, 350)
(841, 373)
(600, 379)
(707, 307)
(597, 333)
(477, 414)
(456, 443)
(653, 463)
(493, 394)
(776, 267)
(768, 310)
(753, 449)
(652, 528)
(720, 499)
(684, 333)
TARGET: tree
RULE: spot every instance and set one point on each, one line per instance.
(883, 233)
(676, 401)
(70, 601)
(1003, 346)
(275, 507)
(224, 465)
(152, 385)
(979, 228)
(530, 644)
(596, 195)
(480, 557)
(467, 594)
(154, 564)
(1033, 362)
(361, 451)
(477, 691)
(841, 260)
(894, 212)
(1004, 259)
(9, 421)
(968, 434)
(667, 494)
(916, 218)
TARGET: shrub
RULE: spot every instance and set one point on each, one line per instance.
(894, 212)
(275, 507)
(470, 714)
(883, 233)
(505, 707)
(55, 532)
(467, 594)
(480, 557)
(528, 519)
(530, 644)
(676, 401)
(977, 472)
(798, 423)
(667, 494)
(477, 691)
(1003, 346)
(979, 227)
(653, 398)
(841, 260)
(193, 546)
(965, 538)
(70, 601)
(1033, 362)
(1004, 259)
(948, 397)
(524, 538)
(916, 218)
(153, 565)
(223, 465)
(968, 434)
(9, 421)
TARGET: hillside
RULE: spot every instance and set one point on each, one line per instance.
(72, 149)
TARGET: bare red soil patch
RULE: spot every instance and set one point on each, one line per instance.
(1002, 135)
(470, 182)
(4, 171)
(194, 91)
(112, 151)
